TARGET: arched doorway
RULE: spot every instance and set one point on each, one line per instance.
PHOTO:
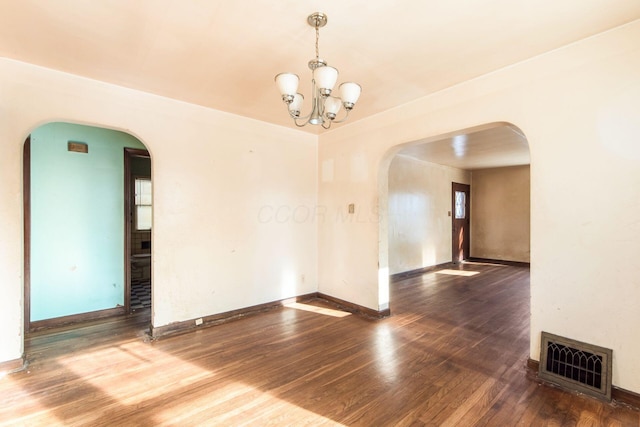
(415, 198)
(76, 246)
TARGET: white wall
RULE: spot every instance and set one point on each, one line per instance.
(579, 108)
(218, 180)
(419, 203)
(500, 213)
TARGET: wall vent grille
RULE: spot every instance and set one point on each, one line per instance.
(576, 365)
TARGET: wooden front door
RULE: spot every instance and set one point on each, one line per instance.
(460, 220)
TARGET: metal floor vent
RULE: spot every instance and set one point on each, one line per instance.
(576, 365)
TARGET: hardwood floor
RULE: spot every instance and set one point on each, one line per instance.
(452, 353)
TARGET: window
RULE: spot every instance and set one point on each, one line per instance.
(143, 203)
(460, 205)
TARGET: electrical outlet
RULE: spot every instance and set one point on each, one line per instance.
(352, 208)
(199, 321)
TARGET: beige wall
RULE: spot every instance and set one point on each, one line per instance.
(500, 207)
(579, 109)
(419, 226)
(419, 202)
(234, 198)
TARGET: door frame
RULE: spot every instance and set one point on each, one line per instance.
(129, 153)
(455, 243)
(26, 210)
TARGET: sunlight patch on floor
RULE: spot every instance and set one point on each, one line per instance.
(234, 403)
(33, 412)
(220, 403)
(139, 364)
(465, 273)
(385, 353)
(320, 310)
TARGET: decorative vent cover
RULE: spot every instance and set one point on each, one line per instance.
(576, 365)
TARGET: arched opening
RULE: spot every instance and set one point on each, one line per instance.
(415, 199)
(81, 219)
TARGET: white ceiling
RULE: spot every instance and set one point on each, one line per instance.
(224, 54)
(488, 148)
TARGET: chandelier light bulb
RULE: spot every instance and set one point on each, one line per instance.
(325, 78)
(350, 92)
(287, 84)
(332, 106)
(296, 105)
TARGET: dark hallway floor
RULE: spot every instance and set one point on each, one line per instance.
(140, 294)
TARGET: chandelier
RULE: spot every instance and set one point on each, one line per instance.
(324, 107)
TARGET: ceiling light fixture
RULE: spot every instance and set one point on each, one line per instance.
(324, 107)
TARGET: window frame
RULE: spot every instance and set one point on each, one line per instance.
(135, 204)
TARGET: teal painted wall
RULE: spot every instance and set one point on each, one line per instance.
(77, 220)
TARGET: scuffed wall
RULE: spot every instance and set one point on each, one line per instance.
(229, 183)
(419, 203)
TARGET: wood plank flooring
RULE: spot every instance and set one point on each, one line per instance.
(453, 353)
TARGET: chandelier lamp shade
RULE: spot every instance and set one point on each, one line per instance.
(325, 106)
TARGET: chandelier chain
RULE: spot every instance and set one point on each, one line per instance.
(317, 38)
